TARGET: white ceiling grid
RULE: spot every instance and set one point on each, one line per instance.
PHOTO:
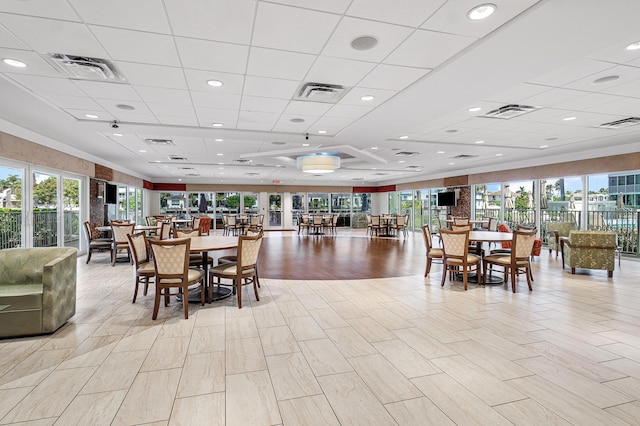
(430, 65)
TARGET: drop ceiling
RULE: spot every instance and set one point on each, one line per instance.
(430, 66)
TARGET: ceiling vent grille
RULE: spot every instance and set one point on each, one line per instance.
(177, 158)
(620, 124)
(413, 167)
(192, 174)
(242, 161)
(159, 141)
(405, 154)
(85, 68)
(320, 92)
(464, 156)
(509, 111)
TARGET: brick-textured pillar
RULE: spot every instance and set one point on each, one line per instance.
(463, 207)
(96, 205)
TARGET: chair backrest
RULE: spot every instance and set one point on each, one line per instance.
(503, 227)
(120, 232)
(231, 220)
(368, 219)
(305, 219)
(455, 243)
(171, 258)
(493, 224)
(400, 221)
(165, 230)
(317, 219)
(426, 235)
(260, 219)
(375, 220)
(150, 220)
(461, 221)
(196, 223)
(138, 245)
(248, 249)
(334, 220)
(87, 230)
(522, 243)
(243, 216)
(254, 220)
(178, 233)
(205, 225)
(466, 228)
(225, 220)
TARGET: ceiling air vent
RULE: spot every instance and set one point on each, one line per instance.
(159, 141)
(413, 167)
(464, 156)
(320, 92)
(620, 124)
(85, 68)
(177, 158)
(405, 153)
(192, 174)
(252, 174)
(509, 111)
(242, 161)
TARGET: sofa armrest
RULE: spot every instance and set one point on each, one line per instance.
(59, 290)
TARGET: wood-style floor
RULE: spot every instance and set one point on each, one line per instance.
(396, 350)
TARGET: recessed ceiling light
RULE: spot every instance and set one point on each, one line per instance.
(481, 12)
(217, 124)
(606, 79)
(91, 116)
(479, 142)
(179, 180)
(440, 152)
(214, 83)
(118, 134)
(367, 98)
(451, 164)
(374, 147)
(551, 139)
(499, 155)
(634, 46)
(322, 132)
(157, 161)
(125, 107)
(404, 137)
(142, 150)
(474, 109)
(220, 164)
(364, 43)
(569, 118)
(219, 154)
(219, 140)
(401, 161)
(305, 144)
(14, 63)
(544, 146)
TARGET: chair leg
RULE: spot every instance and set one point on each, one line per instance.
(114, 254)
(135, 291)
(529, 278)
(444, 274)
(514, 273)
(237, 283)
(185, 301)
(426, 272)
(255, 286)
(89, 256)
(156, 304)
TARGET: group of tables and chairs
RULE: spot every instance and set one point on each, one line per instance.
(318, 223)
(387, 225)
(240, 224)
(463, 256)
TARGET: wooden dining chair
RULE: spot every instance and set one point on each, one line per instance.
(143, 266)
(171, 263)
(456, 257)
(120, 241)
(517, 261)
(432, 253)
(303, 222)
(96, 243)
(318, 224)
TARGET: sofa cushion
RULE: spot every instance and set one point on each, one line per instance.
(21, 296)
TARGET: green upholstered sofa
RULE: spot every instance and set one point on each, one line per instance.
(37, 290)
(589, 250)
(555, 230)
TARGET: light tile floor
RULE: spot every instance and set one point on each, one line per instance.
(364, 352)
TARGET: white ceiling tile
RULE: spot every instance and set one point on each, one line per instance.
(452, 17)
(354, 95)
(552, 97)
(279, 63)
(428, 49)
(97, 89)
(172, 110)
(275, 25)
(111, 106)
(197, 80)
(627, 74)
(253, 103)
(152, 75)
(216, 100)
(344, 72)
(348, 111)
(332, 123)
(9, 41)
(517, 93)
(593, 102)
(213, 115)
(388, 36)
(269, 87)
(160, 95)
(48, 85)
(631, 88)
(334, 6)
(571, 72)
(391, 77)
(307, 108)
(137, 46)
(35, 64)
(622, 106)
(54, 9)
(258, 117)
(218, 20)
(74, 102)
(144, 15)
(211, 55)
(81, 114)
(62, 37)
(410, 12)
(617, 53)
(284, 124)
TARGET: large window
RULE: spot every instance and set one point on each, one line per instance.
(11, 218)
(71, 211)
(318, 203)
(45, 210)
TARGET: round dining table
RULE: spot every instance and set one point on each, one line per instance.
(204, 244)
(481, 237)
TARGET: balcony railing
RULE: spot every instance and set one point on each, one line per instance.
(45, 229)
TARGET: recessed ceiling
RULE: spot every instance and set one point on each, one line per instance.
(218, 80)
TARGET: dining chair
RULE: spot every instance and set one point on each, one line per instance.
(195, 259)
(205, 225)
(120, 241)
(165, 232)
(318, 224)
(151, 221)
(142, 264)
(255, 223)
(171, 263)
(333, 225)
(432, 253)
(461, 221)
(233, 258)
(244, 270)
(303, 222)
(375, 225)
(456, 257)
(96, 243)
(518, 261)
(400, 225)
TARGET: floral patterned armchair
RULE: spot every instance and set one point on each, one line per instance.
(589, 250)
(555, 230)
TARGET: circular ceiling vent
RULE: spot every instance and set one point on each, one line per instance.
(364, 43)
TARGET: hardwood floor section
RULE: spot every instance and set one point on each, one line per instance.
(349, 255)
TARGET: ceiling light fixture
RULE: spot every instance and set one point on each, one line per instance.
(142, 150)
(214, 83)
(305, 144)
(364, 43)
(474, 109)
(404, 137)
(125, 107)
(118, 134)
(479, 142)
(219, 154)
(606, 79)
(14, 63)
(374, 147)
(633, 46)
(91, 116)
(481, 12)
(544, 146)
(499, 155)
(569, 118)
(367, 98)
(322, 132)
(217, 125)
(440, 152)
(219, 140)
(318, 164)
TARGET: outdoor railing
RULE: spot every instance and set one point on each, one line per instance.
(45, 228)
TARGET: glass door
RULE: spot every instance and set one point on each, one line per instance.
(71, 212)
(45, 210)
(11, 218)
(275, 210)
